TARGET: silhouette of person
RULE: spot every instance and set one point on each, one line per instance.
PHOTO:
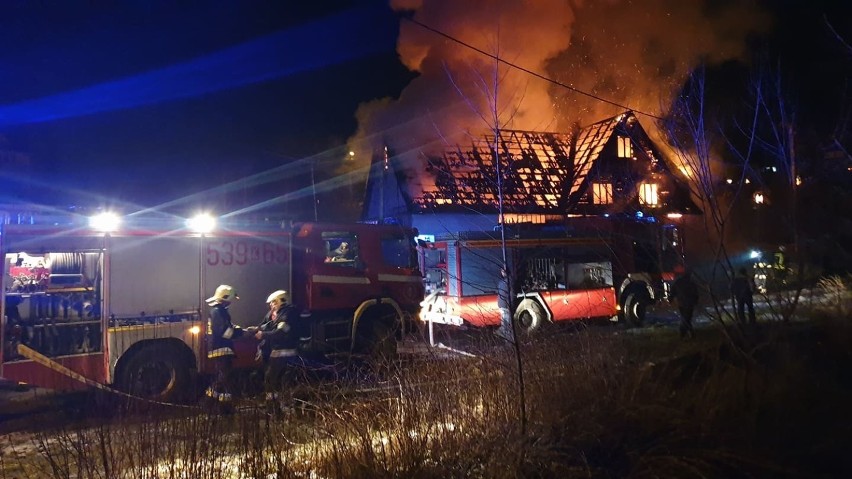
(685, 292)
(743, 292)
(341, 253)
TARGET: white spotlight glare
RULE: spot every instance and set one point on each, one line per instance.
(754, 254)
(201, 223)
(105, 222)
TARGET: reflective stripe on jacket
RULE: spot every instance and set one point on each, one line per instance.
(283, 353)
(222, 331)
(219, 352)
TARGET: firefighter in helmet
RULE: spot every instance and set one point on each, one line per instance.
(221, 335)
(279, 342)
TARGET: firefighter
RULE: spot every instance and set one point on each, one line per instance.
(221, 335)
(341, 253)
(279, 342)
(685, 293)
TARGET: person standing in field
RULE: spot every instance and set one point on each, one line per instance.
(221, 335)
(743, 293)
(685, 293)
(278, 347)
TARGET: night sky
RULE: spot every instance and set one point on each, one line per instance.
(147, 102)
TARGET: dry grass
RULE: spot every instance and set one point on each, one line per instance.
(599, 404)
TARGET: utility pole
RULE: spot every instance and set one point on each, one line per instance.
(382, 185)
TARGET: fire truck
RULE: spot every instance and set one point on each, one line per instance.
(122, 304)
(588, 267)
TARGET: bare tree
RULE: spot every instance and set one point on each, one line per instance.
(775, 134)
(695, 136)
(496, 125)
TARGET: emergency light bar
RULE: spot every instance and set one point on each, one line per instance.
(201, 223)
(105, 222)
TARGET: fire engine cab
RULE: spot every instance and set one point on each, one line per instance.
(121, 303)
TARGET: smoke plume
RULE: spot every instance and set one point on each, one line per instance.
(633, 53)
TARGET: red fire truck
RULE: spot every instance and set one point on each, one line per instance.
(123, 305)
(586, 268)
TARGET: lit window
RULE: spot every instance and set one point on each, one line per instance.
(510, 218)
(625, 149)
(648, 194)
(602, 193)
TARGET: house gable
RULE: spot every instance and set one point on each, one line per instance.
(609, 167)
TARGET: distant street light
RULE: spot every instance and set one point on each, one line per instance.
(759, 199)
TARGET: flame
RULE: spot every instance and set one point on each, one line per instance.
(636, 54)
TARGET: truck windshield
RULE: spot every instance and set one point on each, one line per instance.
(399, 252)
(672, 249)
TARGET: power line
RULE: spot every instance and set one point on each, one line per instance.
(530, 72)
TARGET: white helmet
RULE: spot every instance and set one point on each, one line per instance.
(280, 296)
(223, 293)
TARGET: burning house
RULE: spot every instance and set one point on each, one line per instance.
(589, 212)
(585, 212)
(607, 169)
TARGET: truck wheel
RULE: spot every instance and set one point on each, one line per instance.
(635, 304)
(377, 341)
(157, 372)
(529, 317)
(385, 341)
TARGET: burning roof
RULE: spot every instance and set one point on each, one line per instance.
(607, 167)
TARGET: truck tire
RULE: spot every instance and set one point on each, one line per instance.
(376, 340)
(635, 306)
(386, 342)
(157, 372)
(529, 316)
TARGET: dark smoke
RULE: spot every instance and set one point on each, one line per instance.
(635, 53)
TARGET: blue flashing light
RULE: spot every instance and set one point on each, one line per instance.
(754, 254)
(639, 214)
(262, 60)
